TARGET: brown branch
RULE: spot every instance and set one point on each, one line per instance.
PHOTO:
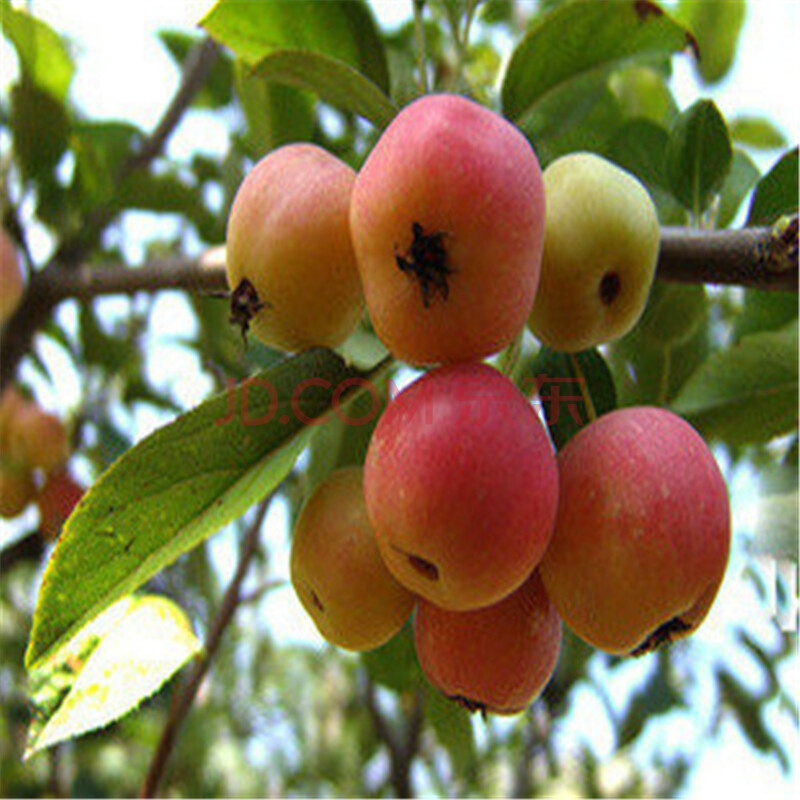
(183, 699)
(40, 299)
(185, 274)
(763, 258)
(402, 750)
(196, 70)
(30, 547)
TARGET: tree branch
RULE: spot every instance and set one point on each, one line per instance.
(195, 72)
(402, 750)
(183, 699)
(29, 548)
(196, 69)
(40, 300)
(760, 258)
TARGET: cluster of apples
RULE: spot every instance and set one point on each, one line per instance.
(463, 514)
(34, 444)
(34, 450)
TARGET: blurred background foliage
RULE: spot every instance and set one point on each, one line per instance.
(277, 716)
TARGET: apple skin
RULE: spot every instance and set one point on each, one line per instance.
(496, 659)
(461, 486)
(39, 439)
(12, 402)
(337, 570)
(12, 281)
(601, 246)
(56, 500)
(456, 169)
(643, 531)
(288, 234)
(17, 490)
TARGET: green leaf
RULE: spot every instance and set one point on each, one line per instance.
(344, 440)
(43, 55)
(563, 380)
(584, 116)
(747, 393)
(581, 38)
(650, 372)
(644, 94)
(340, 29)
(716, 27)
(640, 147)
(122, 658)
(452, 725)
(180, 485)
(100, 149)
(776, 193)
(658, 696)
(163, 193)
(394, 664)
(276, 114)
(765, 311)
(741, 179)
(217, 90)
(335, 82)
(748, 708)
(98, 348)
(698, 155)
(757, 132)
(673, 314)
(40, 127)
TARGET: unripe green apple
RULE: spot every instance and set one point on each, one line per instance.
(447, 220)
(290, 261)
(461, 486)
(496, 659)
(337, 570)
(12, 281)
(600, 250)
(642, 534)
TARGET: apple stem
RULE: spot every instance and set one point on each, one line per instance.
(591, 412)
(419, 35)
(509, 357)
(663, 388)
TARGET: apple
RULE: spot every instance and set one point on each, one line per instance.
(461, 486)
(337, 570)
(642, 534)
(601, 245)
(447, 219)
(496, 659)
(290, 262)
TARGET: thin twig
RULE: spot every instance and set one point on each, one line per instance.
(196, 70)
(419, 36)
(40, 300)
(184, 698)
(402, 749)
(30, 547)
